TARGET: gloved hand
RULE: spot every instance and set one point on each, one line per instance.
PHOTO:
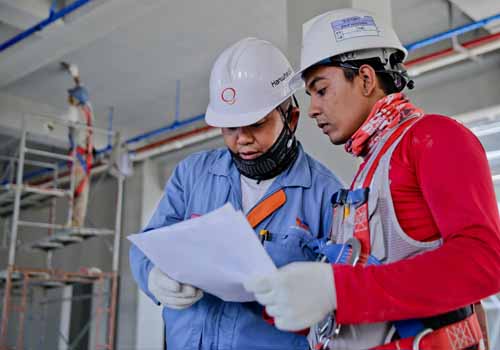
(171, 293)
(298, 295)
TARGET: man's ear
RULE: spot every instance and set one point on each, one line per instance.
(369, 79)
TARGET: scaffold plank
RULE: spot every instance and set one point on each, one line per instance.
(67, 237)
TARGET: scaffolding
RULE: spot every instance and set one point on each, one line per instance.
(16, 282)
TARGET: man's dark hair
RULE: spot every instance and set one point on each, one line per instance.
(391, 81)
(385, 79)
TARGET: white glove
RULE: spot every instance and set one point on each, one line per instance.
(74, 71)
(298, 295)
(171, 293)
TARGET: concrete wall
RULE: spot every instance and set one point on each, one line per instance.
(128, 296)
(149, 331)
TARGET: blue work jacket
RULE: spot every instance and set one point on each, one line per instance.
(206, 181)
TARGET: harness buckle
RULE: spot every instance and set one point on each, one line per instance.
(418, 338)
(358, 197)
(340, 197)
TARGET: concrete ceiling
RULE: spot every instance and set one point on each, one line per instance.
(135, 65)
(479, 9)
(131, 53)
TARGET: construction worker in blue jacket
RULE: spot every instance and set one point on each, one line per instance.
(264, 172)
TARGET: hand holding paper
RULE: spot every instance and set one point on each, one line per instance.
(171, 293)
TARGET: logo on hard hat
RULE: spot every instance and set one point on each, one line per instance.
(354, 27)
(228, 95)
(282, 78)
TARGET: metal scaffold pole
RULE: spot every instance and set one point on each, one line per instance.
(17, 198)
(13, 236)
(116, 262)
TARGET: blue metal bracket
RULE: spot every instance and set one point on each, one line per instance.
(53, 8)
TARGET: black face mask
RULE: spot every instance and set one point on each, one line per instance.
(276, 159)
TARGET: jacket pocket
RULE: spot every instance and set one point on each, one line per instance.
(289, 246)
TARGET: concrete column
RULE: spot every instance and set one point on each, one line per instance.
(149, 334)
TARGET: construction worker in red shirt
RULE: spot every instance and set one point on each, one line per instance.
(415, 242)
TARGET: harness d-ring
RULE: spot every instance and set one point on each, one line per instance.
(418, 338)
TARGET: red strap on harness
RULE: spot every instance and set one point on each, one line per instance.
(79, 188)
(361, 219)
(88, 165)
(457, 336)
(86, 152)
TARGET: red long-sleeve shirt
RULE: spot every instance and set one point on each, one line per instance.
(441, 186)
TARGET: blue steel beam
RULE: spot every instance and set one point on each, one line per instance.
(173, 126)
(450, 33)
(53, 16)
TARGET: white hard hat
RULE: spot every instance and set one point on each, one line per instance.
(351, 33)
(248, 80)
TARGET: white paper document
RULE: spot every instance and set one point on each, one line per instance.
(216, 252)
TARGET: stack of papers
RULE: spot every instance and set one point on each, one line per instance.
(216, 252)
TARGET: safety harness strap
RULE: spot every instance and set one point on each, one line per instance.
(457, 336)
(361, 218)
(265, 208)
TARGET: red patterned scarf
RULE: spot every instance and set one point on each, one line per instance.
(386, 113)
